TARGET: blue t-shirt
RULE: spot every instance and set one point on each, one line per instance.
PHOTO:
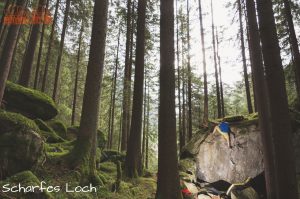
(224, 126)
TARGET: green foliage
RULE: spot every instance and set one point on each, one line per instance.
(27, 101)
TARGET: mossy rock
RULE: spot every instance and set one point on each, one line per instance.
(58, 127)
(112, 156)
(31, 103)
(187, 165)
(25, 179)
(21, 146)
(108, 167)
(48, 133)
(101, 139)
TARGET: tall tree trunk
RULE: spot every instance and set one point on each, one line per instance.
(82, 154)
(133, 162)
(246, 79)
(205, 104)
(77, 76)
(60, 51)
(183, 136)
(190, 120)
(280, 125)
(147, 129)
(168, 186)
(294, 43)
(38, 65)
(6, 57)
(144, 123)
(45, 75)
(262, 97)
(178, 79)
(130, 69)
(220, 74)
(114, 92)
(24, 78)
(127, 79)
(216, 63)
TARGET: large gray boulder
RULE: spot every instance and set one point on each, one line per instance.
(21, 146)
(216, 161)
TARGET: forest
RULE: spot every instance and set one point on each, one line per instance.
(141, 99)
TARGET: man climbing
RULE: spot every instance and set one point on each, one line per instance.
(224, 129)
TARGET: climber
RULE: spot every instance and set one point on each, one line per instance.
(224, 129)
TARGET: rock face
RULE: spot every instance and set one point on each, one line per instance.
(216, 161)
(31, 103)
(21, 147)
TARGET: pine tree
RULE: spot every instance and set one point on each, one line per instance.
(83, 153)
(133, 161)
(168, 186)
(6, 57)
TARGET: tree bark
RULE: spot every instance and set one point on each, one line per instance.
(77, 76)
(25, 75)
(294, 43)
(215, 63)
(127, 79)
(83, 151)
(262, 97)
(133, 161)
(205, 104)
(114, 92)
(60, 52)
(190, 120)
(6, 57)
(168, 186)
(246, 79)
(45, 75)
(279, 121)
(178, 79)
(220, 74)
(38, 65)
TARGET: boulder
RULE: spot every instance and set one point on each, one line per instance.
(247, 193)
(31, 103)
(25, 179)
(58, 127)
(21, 146)
(216, 161)
(48, 133)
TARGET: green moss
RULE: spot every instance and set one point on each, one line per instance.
(49, 134)
(112, 156)
(32, 103)
(108, 167)
(26, 178)
(58, 127)
(187, 165)
(14, 121)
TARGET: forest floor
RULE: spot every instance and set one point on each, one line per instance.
(54, 172)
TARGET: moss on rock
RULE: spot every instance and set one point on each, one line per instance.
(32, 103)
(25, 179)
(58, 127)
(21, 146)
(47, 132)
(112, 156)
